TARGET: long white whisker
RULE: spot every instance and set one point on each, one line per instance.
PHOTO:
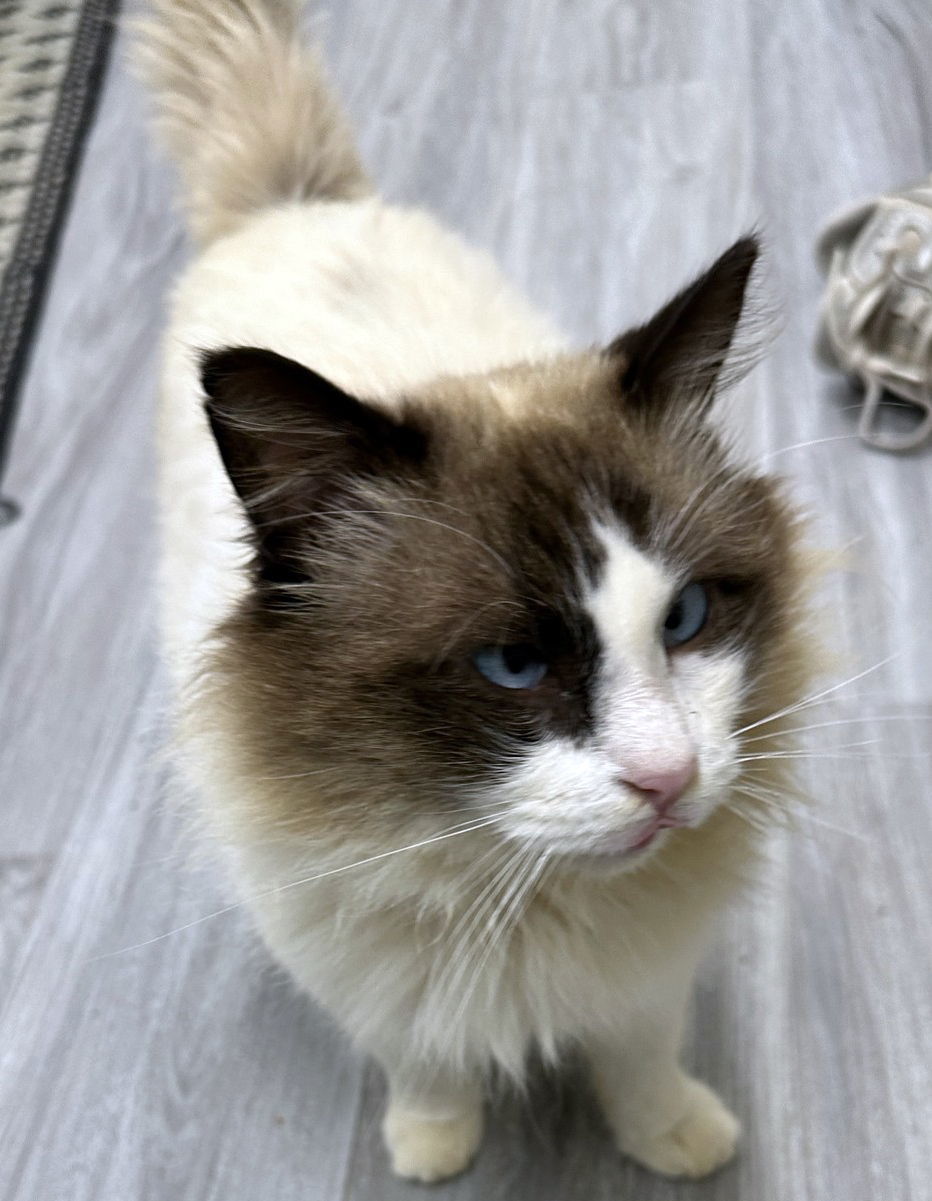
(751, 820)
(477, 824)
(482, 919)
(830, 753)
(810, 700)
(471, 921)
(784, 806)
(394, 513)
(511, 911)
(772, 454)
(808, 753)
(303, 775)
(687, 514)
(824, 725)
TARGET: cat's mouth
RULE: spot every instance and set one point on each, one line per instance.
(666, 822)
(621, 849)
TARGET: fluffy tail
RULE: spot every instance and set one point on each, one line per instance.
(244, 108)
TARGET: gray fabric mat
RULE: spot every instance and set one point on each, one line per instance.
(52, 56)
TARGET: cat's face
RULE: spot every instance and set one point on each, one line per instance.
(542, 595)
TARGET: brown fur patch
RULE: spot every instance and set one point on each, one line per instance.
(364, 678)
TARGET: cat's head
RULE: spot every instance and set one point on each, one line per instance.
(544, 594)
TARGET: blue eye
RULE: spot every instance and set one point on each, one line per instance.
(688, 614)
(516, 666)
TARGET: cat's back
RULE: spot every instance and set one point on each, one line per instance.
(375, 297)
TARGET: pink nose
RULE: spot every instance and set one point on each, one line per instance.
(661, 787)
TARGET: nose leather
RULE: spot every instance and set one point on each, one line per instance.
(661, 785)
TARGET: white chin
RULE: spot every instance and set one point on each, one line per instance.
(613, 856)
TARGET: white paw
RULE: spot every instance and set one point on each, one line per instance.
(430, 1149)
(702, 1139)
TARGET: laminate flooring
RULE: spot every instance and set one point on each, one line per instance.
(604, 150)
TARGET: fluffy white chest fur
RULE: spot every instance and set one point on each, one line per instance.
(467, 628)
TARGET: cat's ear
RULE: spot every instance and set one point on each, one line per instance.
(294, 444)
(677, 359)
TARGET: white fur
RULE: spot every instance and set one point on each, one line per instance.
(643, 728)
(628, 604)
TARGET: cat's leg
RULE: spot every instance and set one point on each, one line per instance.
(433, 1122)
(661, 1116)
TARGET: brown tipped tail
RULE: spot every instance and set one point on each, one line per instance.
(245, 109)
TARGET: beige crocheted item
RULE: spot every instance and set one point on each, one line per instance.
(876, 316)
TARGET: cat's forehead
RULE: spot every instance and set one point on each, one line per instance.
(546, 463)
(562, 428)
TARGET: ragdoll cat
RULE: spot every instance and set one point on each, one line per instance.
(469, 627)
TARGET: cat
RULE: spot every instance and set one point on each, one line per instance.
(469, 627)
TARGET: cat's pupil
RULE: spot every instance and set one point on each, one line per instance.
(519, 657)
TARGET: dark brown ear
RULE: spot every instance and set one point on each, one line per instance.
(294, 445)
(676, 359)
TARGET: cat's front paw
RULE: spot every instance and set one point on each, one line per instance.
(701, 1140)
(431, 1149)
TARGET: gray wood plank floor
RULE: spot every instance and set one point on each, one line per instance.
(603, 150)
